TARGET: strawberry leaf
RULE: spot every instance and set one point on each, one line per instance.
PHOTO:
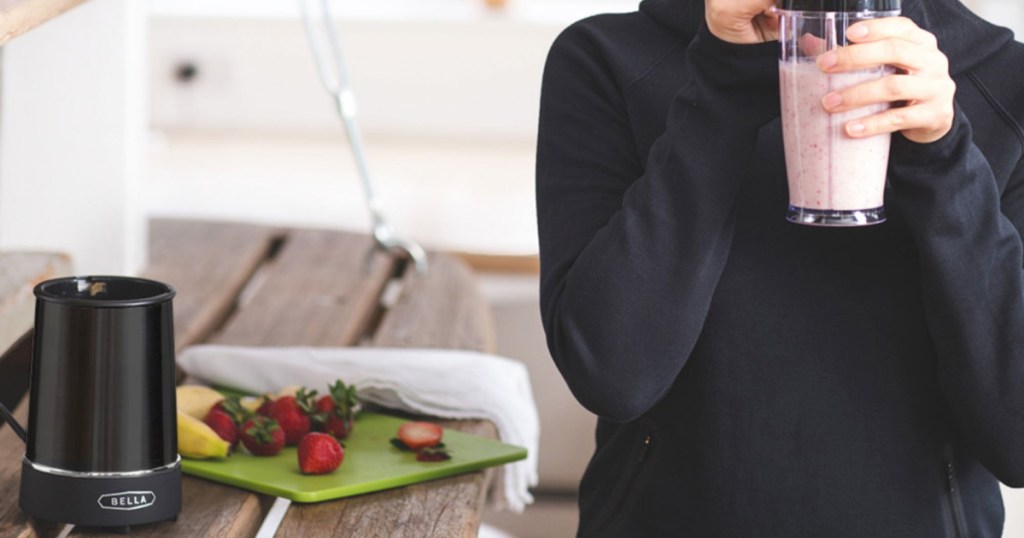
(345, 399)
(318, 418)
(397, 443)
(261, 429)
(306, 400)
(232, 405)
(432, 454)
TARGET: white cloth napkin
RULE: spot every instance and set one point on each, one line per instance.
(439, 382)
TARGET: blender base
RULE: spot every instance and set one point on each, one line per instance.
(112, 500)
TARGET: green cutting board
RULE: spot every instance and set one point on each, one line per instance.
(371, 464)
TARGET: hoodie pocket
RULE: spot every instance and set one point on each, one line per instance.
(621, 498)
(956, 504)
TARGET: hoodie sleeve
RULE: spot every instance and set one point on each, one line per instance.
(968, 237)
(631, 255)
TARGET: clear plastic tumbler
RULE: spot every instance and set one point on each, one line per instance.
(834, 180)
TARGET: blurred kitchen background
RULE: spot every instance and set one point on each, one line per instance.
(213, 109)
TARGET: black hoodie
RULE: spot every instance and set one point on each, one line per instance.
(755, 377)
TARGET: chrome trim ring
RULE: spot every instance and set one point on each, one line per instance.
(119, 474)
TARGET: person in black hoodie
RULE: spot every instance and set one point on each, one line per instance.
(754, 377)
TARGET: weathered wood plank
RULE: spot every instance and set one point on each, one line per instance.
(396, 513)
(500, 263)
(208, 263)
(19, 273)
(443, 308)
(322, 289)
(20, 16)
(13, 523)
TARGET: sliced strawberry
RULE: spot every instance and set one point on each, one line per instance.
(223, 424)
(319, 453)
(420, 435)
(262, 436)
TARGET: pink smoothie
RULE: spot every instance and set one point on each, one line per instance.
(826, 168)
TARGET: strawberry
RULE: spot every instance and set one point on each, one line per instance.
(419, 435)
(223, 425)
(337, 410)
(262, 436)
(340, 427)
(293, 414)
(232, 406)
(319, 453)
(267, 407)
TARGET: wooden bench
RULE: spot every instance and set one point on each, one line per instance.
(264, 286)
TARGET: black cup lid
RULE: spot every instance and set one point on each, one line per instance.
(104, 291)
(839, 5)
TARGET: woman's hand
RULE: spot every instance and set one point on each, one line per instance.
(923, 85)
(742, 22)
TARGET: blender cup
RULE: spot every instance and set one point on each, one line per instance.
(834, 180)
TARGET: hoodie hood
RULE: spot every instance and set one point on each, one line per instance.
(963, 36)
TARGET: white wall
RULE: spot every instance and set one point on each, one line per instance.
(1009, 13)
(411, 78)
(71, 135)
(447, 68)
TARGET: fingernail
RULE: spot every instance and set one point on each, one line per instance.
(855, 128)
(832, 100)
(857, 31)
(827, 60)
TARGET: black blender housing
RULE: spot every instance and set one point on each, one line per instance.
(102, 430)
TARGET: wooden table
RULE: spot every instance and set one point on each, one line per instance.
(263, 286)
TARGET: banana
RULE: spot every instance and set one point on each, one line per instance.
(290, 390)
(252, 403)
(198, 441)
(196, 400)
